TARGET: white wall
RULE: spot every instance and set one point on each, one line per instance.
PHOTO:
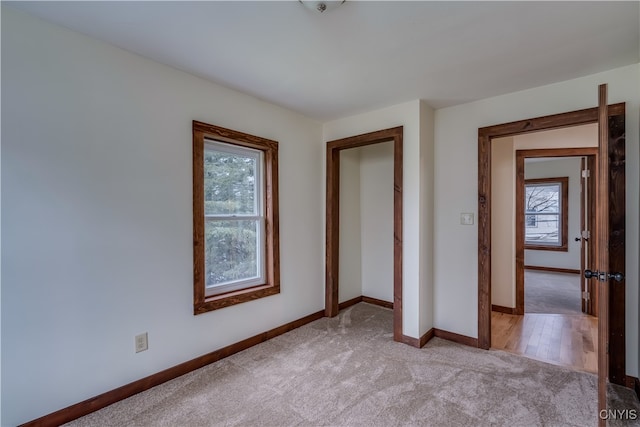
(417, 219)
(366, 222)
(97, 217)
(376, 182)
(427, 186)
(569, 167)
(571, 137)
(350, 271)
(456, 177)
(503, 223)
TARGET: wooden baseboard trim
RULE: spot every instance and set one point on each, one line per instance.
(552, 269)
(418, 342)
(356, 300)
(460, 339)
(427, 337)
(502, 309)
(93, 404)
(349, 303)
(413, 342)
(375, 301)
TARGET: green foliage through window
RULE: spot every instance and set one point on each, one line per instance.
(236, 252)
(233, 216)
(231, 251)
(229, 183)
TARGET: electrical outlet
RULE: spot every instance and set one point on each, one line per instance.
(142, 342)
(466, 218)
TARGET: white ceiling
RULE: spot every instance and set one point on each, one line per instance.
(365, 55)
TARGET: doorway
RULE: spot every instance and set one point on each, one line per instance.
(333, 219)
(616, 221)
(366, 225)
(556, 270)
(546, 322)
(551, 239)
(555, 221)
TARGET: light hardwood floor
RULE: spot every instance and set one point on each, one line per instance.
(561, 339)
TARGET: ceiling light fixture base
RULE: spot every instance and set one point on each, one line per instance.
(322, 5)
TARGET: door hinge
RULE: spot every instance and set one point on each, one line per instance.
(586, 234)
(585, 296)
(586, 173)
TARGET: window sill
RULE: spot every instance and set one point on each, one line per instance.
(228, 299)
(563, 248)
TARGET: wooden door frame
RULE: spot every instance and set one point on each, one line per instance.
(333, 218)
(591, 285)
(587, 222)
(520, 180)
(584, 303)
(485, 135)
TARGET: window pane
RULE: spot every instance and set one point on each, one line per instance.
(545, 230)
(542, 198)
(229, 183)
(542, 213)
(231, 251)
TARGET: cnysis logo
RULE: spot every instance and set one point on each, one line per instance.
(619, 414)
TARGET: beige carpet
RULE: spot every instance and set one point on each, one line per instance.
(552, 293)
(347, 371)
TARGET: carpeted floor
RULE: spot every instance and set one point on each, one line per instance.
(551, 293)
(347, 371)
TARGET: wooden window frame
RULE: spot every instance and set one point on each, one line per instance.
(269, 149)
(563, 214)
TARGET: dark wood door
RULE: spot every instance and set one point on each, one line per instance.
(602, 245)
(610, 248)
(584, 287)
(616, 246)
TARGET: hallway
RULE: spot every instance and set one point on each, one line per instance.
(561, 339)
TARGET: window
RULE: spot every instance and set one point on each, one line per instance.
(235, 217)
(546, 213)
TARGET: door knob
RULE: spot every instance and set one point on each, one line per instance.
(618, 277)
(577, 239)
(588, 274)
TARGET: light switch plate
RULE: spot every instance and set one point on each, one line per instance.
(466, 218)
